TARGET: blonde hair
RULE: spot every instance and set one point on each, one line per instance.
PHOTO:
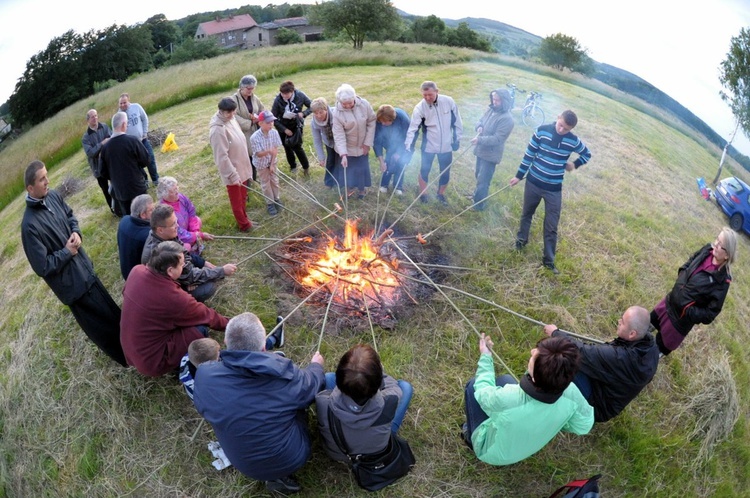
(730, 243)
(319, 104)
(203, 350)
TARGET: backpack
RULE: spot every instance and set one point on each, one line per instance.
(582, 488)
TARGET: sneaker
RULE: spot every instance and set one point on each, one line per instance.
(271, 210)
(155, 183)
(399, 192)
(424, 199)
(465, 435)
(283, 485)
(441, 198)
(279, 204)
(306, 173)
(383, 190)
(278, 334)
(551, 267)
(293, 171)
(520, 245)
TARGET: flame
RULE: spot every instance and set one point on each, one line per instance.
(352, 267)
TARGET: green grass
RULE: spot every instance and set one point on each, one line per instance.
(74, 424)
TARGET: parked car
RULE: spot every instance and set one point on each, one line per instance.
(732, 197)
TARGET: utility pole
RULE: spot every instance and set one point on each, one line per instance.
(724, 154)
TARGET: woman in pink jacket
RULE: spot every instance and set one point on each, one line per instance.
(353, 136)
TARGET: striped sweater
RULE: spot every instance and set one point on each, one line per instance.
(546, 155)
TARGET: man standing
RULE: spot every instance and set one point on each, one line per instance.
(122, 161)
(611, 375)
(97, 134)
(132, 233)
(441, 135)
(52, 242)
(256, 402)
(138, 128)
(546, 161)
(199, 282)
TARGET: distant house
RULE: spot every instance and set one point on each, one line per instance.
(264, 35)
(230, 32)
(5, 129)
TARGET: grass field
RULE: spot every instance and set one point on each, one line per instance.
(75, 424)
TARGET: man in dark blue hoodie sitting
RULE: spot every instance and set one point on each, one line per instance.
(256, 402)
(611, 375)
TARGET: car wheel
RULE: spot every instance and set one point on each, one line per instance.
(735, 222)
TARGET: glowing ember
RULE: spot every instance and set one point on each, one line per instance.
(354, 273)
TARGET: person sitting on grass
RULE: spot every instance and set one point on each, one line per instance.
(369, 404)
(507, 422)
(188, 223)
(265, 144)
(203, 350)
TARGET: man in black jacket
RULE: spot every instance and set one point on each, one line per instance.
(122, 161)
(52, 242)
(612, 374)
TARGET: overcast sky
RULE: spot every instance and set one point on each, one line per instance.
(676, 46)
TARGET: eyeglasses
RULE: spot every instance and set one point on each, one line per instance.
(717, 245)
(173, 225)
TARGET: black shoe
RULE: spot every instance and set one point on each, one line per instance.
(278, 334)
(551, 267)
(279, 205)
(465, 436)
(520, 245)
(441, 198)
(284, 486)
(272, 210)
(423, 199)
(306, 173)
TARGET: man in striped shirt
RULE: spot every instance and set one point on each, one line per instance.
(544, 164)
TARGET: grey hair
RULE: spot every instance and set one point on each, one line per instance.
(166, 183)
(429, 85)
(140, 204)
(639, 320)
(244, 332)
(118, 119)
(345, 93)
(248, 81)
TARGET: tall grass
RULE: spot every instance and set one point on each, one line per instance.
(75, 424)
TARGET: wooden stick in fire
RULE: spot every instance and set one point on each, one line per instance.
(440, 290)
(337, 209)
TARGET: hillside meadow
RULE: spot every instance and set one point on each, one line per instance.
(75, 424)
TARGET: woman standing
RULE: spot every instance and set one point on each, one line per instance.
(493, 130)
(698, 294)
(231, 157)
(248, 108)
(322, 133)
(288, 108)
(353, 135)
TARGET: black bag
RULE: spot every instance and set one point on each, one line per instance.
(296, 138)
(375, 471)
(582, 488)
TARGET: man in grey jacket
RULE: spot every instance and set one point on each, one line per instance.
(440, 121)
(96, 135)
(199, 282)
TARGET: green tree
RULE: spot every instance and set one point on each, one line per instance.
(358, 20)
(463, 36)
(735, 78)
(562, 51)
(429, 29)
(164, 33)
(286, 36)
(192, 49)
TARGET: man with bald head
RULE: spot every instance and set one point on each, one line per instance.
(612, 374)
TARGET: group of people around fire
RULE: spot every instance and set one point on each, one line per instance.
(242, 389)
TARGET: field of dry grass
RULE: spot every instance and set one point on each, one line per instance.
(75, 424)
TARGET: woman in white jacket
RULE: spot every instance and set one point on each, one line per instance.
(353, 136)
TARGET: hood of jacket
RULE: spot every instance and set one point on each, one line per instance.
(259, 364)
(505, 100)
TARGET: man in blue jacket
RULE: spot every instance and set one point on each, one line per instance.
(256, 402)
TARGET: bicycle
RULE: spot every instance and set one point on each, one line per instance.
(513, 89)
(532, 113)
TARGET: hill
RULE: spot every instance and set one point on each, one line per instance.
(75, 424)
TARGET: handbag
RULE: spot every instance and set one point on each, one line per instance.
(375, 471)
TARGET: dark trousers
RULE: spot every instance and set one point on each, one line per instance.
(99, 317)
(104, 185)
(332, 162)
(474, 413)
(483, 173)
(532, 196)
(299, 152)
(151, 161)
(444, 161)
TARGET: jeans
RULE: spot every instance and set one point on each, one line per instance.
(583, 383)
(152, 161)
(406, 393)
(474, 413)
(532, 196)
(395, 170)
(444, 161)
(483, 174)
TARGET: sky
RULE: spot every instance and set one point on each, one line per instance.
(676, 46)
